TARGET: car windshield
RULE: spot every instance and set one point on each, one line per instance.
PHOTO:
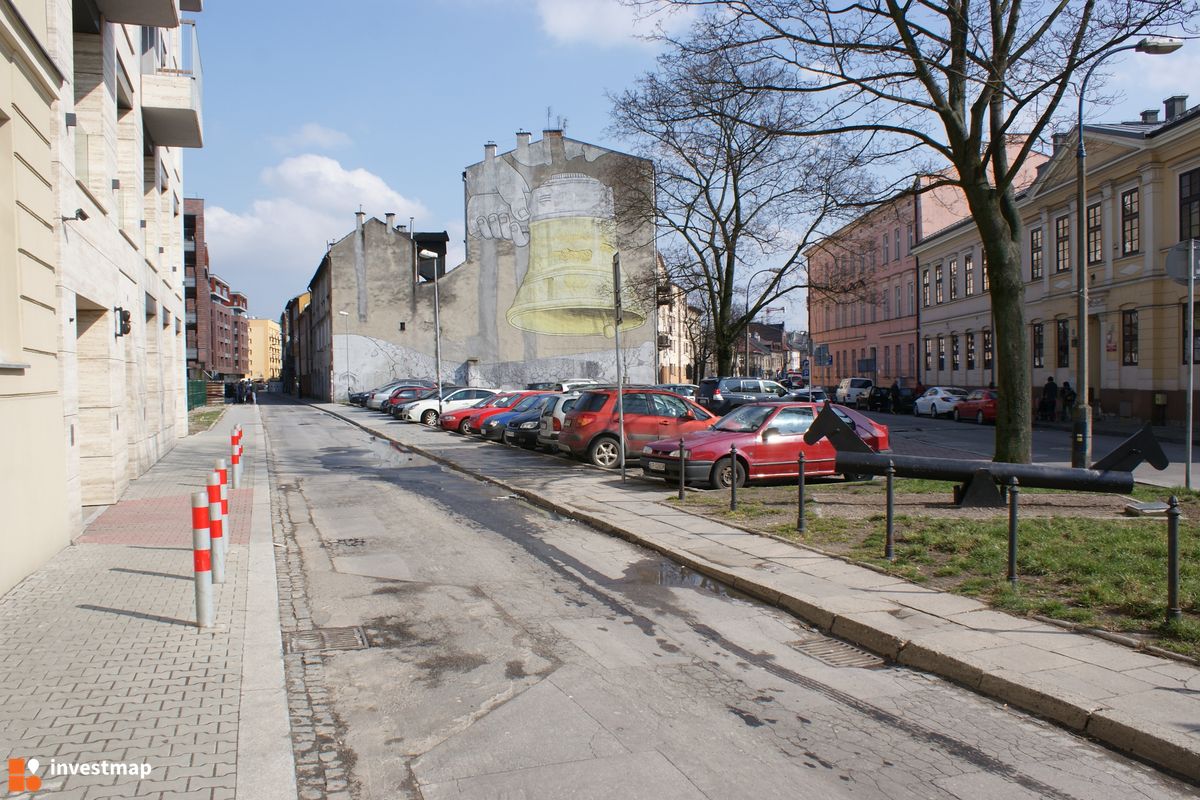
(504, 401)
(744, 419)
(428, 395)
(532, 401)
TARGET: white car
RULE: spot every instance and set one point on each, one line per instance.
(452, 399)
(938, 400)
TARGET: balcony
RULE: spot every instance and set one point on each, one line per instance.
(189, 283)
(151, 13)
(171, 97)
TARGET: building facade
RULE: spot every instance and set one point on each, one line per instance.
(96, 108)
(532, 302)
(264, 350)
(1143, 182)
(290, 330)
(676, 320)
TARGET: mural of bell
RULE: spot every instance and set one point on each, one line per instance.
(568, 288)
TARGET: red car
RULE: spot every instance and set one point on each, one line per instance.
(401, 395)
(769, 438)
(460, 420)
(590, 429)
(980, 406)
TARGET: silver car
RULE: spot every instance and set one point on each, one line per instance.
(551, 421)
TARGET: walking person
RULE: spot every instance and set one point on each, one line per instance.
(239, 392)
(1049, 400)
(1068, 401)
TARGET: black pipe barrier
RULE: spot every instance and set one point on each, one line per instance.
(964, 469)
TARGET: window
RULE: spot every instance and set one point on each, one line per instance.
(1183, 332)
(1189, 205)
(885, 248)
(912, 360)
(1131, 225)
(937, 284)
(910, 237)
(983, 270)
(941, 353)
(925, 287)
(899, 309)
(637, 403)
(969, 274)
(1038, 346)
(887, 361)
(1129, 338)
(897, 244)
(953, 278)
(1095, 238)
(987, 349)
(970, 351)
(792, 421)
(928, 355)
(955, 364)
(1035, 253)
(912, 299)
(1062, 342)
(1062, 244)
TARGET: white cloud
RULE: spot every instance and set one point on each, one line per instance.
(603, 22)
(310, 136)
(1143, 81)
(272, 249)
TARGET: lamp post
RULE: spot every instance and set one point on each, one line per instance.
(1081, 433)
(437, 326)
(345, 315)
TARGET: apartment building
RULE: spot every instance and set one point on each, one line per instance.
(675, 324)
(1143, 182)
(264, 350)
(289, 331)
(100, 100)
(864, 322)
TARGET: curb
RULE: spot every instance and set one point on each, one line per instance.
(1165, 749)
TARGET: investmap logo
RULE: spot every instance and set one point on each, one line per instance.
(23, 777)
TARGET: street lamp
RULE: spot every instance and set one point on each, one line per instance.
(437, 326)
(1081, 434)
(345, 315)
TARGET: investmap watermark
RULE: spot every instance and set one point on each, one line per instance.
(23, 773)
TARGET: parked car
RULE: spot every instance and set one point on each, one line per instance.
(590, 429)
(522, 429)
(938, 400)
(569, 385)
(401, 395)
(681, 389)
(460, 420)
(426, 410)
(811, 394)
(850, 390)
(377, 396)
(551, 422)
(722, 395)
(492, 428)
(908, 397)
(878, 399)
(979, 405)
(769, 439)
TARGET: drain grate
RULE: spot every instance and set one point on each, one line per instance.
(325, 639)
(836, 653)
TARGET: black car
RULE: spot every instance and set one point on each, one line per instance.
(493, 427)
(722, 395)
(880, 398)
(522, 429)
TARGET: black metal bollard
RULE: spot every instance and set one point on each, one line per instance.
(682, 468)
(733, 477)
(800, 491)
(1173, 514)
(889, 549)
(1014, 493)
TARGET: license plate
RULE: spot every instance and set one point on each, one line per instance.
(656, 466)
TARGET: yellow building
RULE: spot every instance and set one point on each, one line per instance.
(266, 350)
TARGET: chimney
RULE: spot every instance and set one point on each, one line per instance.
(523, 146)
(1175, 106)
(1150, 116)
(359, 216)
(1059, 140)
(489, 151)
(390, 219)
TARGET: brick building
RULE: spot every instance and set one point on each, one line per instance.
(217, 344)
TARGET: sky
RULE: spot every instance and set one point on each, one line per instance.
(310, 115)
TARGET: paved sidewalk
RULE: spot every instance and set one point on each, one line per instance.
(101, 662)
(1132, 700)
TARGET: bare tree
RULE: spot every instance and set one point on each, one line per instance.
(738, 201)
(971, 83)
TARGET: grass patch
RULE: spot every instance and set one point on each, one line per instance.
(1100, 571)
(202, 418)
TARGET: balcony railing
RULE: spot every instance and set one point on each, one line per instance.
(172, 95)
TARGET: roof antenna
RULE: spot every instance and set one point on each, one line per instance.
(548, 110)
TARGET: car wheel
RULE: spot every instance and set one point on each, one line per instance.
(464, 427)
(979, 417)
(723, 474)
(429, 417)
(605, 452)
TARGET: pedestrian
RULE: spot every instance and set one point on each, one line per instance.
(1049, 400)
(239, 392)
(253, 392)
(1068, 401)
(894, 397)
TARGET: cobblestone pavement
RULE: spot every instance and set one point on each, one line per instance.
(101, 660)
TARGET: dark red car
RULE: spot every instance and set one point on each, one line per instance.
(462, 420)
(401, 395)
(475, 423)
(590, 429)
(980, 406)
(769, 438)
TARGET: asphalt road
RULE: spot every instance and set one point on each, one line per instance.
(516, 654)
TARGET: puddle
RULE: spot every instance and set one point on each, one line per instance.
(390, 453)
(660, 572)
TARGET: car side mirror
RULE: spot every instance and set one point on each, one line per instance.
(686, 416)
(770, 433)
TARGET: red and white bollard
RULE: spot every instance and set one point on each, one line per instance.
(223, 471)
(202, 559)
(235, 466)
(216, 524)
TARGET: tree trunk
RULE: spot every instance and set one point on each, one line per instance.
(725, 357)
(999, 225)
